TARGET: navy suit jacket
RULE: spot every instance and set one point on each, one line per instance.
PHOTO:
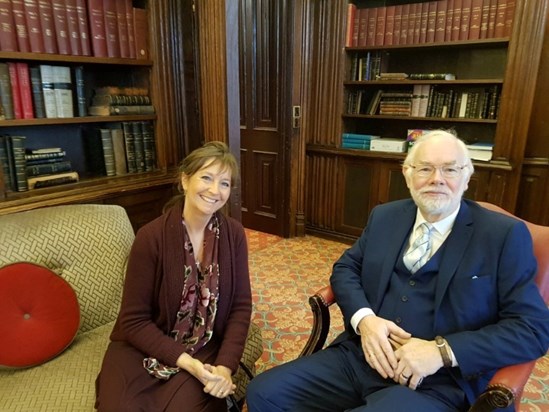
(486, 304)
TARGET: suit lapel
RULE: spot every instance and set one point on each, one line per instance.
(455, 247)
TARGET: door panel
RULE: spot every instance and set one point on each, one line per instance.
(262, 71)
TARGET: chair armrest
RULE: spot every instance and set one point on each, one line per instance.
(505, 388)
(320, 305)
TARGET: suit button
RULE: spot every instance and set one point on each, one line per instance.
(412, 283)
(398, 320)
(404, 298)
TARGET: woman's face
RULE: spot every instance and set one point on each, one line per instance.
(207, 190)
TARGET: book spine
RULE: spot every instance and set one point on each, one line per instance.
(48, 168)
(5, 92)
(389, 25)
(8, 36)
(131, 30)
(475, 23)
(37, 182)
(501, 9)
(32, 157)
(130, 146)
(25, 90)
(37, 93)
(74, 27)
(97, 28)
(440, 23)
(141, 30)
(380, 26)
(5, 163)
(509, 16)
(20, 22)
(139, 146)
(48, 26)
(108, 151)
(84, 31)
(371, 28)
(398, 24)
(147, 128)
(404, 21)
(424, 22)
(449, 20)
(111, 28)
(18, 151)
(36, 36)
(432, 21)
(15, 91)
(465, 19)
(62, 86)
(362, 39)
(117, 135)
(81, 103)
(492, 13)
(351, 12)
(122, 25)
(47, 78)
(61, 26)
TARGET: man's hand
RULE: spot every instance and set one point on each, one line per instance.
(374, 336)
(417, 358)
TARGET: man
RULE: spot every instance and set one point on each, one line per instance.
(436, 295)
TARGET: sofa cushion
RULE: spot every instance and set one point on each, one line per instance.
(40, 314)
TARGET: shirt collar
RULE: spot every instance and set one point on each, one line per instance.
(442, 226)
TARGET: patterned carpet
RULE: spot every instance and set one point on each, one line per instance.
(285, 272)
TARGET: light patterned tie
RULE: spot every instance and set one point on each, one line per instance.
(420, 250)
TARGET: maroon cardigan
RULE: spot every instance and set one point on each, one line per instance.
(154, 284)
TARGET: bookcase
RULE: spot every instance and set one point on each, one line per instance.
(141, 191)
(383, 77)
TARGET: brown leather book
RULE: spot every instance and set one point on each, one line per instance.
(440, 24)
(431, 21)
(476, 16)
(74, 27)
(129, 22)
(97, 28)
(141, 32)
(21, 31)
(111, 28)
(36, 37)
(84, 31)
(45, 10)
(122, 25)
(8, 38)
(465, 19)
(61, 26)
(501, 10)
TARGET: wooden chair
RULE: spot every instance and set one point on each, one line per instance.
(507, 384)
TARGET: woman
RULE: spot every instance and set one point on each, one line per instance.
(186, 304)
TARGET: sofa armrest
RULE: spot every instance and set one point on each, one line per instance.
(320, 305)
(505, 388)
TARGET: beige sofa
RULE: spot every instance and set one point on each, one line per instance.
(88, 246)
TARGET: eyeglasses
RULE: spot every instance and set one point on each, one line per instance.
(448, 172)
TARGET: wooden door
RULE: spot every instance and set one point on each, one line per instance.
(264, 87)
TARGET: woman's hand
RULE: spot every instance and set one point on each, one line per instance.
(217, 380)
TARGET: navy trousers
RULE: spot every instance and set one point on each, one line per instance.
(339, 379)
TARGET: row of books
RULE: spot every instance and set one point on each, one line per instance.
(111, 100)
(428, 101)
(43, 91)
(122, 148)
(26, 169)
(100, 28)
(429, 22)
(357, 140)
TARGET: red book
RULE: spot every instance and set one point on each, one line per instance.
(465, 19)
(111, 28)
(417, 25)
(362, 27)
(16, 94)
(122, 29)
(449, 20)
(74, 27)
(440, 25)
(20, 21)
(36, 37)
(432, 21)
(25, 90)
(484, 19)
(141, 32)
(509, 15)
(131, 35)
(371, 29)
(8, 37)
(61, 26)
(424, 17)
(351, 13)
(97, 28)
(84, 32)
(380, 26)
(492, 19)
(412, 22)
(476, 16)
(390, 25)
(398, 24)
(501, 10)
(404, 24)
(456, 23)
(48, 28)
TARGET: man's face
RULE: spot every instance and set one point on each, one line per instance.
(437, 179)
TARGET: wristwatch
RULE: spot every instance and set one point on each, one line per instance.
(442, 346)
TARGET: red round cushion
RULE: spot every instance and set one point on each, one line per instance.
(39, 313)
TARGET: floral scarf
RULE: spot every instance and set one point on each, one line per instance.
(195, 319)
